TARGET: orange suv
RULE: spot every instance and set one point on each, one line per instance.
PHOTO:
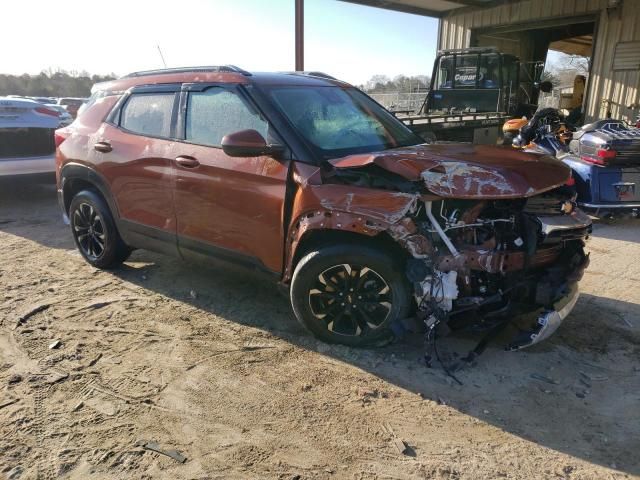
(307, 179)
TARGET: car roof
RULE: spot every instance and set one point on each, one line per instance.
(217, 74)
(19, 101)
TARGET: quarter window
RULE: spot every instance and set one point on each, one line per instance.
(217, 112)
(148, 114)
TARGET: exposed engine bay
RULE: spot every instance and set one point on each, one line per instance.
(477, 263)
(492, 260)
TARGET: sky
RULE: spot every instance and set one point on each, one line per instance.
(351, 42)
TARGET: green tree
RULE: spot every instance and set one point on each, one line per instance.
(50, 83)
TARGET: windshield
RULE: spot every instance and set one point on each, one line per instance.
(338, 121)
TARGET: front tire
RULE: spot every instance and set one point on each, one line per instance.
(350, 294)
(94, 231)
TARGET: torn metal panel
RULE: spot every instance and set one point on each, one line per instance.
(467, 171)
(472, 180)
(406, 234)
(387, 207)
(547, 322)
(354, 209)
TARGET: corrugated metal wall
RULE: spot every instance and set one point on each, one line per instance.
(608, 89)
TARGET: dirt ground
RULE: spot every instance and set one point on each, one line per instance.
(212, 364)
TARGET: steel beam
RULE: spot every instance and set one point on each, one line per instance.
(299, 35)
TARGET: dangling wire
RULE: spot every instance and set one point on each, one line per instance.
(440, 315)
(444, 367)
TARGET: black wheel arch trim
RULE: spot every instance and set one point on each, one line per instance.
(77, 171)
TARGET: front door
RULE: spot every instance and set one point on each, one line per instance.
(227, 207)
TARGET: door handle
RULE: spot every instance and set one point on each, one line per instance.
(187, 161)
(104, 147)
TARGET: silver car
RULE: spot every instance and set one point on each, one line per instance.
(27, 144)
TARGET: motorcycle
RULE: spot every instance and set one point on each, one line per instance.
(604, 157)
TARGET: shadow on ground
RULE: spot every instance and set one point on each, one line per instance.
(584, 397)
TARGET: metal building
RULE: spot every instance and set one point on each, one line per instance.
(608, 31)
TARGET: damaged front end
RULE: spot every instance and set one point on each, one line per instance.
(486, 241)
(493, 260)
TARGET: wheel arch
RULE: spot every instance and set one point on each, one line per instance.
(76, 177)
(316, 238)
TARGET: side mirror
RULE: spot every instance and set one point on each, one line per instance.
(545, 86)
(248, 143)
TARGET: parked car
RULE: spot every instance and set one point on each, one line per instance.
(43, 100)
(26, 137)
(65, 117)
(72, 104)
(308, 180)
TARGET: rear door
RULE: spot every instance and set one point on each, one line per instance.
(135, 150)
(227, 207)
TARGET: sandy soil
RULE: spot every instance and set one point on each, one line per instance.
(213, 365)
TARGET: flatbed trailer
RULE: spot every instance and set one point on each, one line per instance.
(473, 92)
(478, 128)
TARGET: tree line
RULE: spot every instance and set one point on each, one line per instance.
(399, 83)
(49, 83)
(561, 73)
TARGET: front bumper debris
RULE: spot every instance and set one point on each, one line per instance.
(577, 220)
(548, 321)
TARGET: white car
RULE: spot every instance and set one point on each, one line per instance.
(27, 137)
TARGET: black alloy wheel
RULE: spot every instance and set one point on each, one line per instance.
(89, 230)
(350, 299)
(350, 293)
(94, 231)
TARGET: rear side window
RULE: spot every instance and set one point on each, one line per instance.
(217, 112)
(148, 114)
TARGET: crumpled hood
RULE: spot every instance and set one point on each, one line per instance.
(468, 171)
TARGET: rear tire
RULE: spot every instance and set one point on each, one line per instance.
(350, 294)
(94, 231)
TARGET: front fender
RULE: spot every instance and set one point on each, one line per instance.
(349, 209)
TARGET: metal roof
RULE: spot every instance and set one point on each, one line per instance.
(430, 8)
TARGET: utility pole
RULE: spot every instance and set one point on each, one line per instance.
(299, 35)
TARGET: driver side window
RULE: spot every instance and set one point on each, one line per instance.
(217, 112)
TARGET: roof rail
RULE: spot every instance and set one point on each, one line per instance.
(469, 50)
(165, 71)
(315, 74)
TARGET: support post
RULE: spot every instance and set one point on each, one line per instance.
(299, 35)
